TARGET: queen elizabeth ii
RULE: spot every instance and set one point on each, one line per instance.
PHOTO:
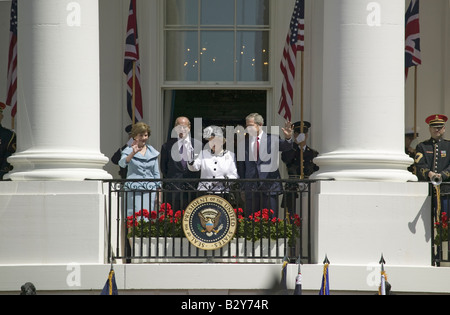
(214, 162)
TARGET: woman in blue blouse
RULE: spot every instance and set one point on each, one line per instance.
(142, 162)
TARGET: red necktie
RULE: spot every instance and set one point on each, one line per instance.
(257, 148)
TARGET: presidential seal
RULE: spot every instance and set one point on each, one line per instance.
(209, 222)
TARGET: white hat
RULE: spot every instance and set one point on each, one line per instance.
(213, 131)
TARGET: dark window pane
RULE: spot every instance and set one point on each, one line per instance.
(182, 12)
(253, 56)
(181, 56)
(252, 12)
(217, 56)
(217, 12)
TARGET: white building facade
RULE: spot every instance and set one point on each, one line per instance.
(72, 115)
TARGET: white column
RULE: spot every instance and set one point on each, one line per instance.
(362, 114)
(58, 116)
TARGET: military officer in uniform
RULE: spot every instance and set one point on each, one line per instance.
(292, 160)
(7, 145)
(292, 157)
(433, 156)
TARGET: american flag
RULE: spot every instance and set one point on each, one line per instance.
(132, 55)
(412, 36)
(295, 41)
(11, 96)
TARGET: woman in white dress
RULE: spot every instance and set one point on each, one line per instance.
(214, 162)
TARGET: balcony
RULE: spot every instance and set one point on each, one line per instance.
(145, 222)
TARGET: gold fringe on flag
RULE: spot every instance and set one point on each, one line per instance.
(325, 271)
(111, 274)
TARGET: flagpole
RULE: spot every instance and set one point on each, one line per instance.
(415, 102)
(133, 96)
(302, 173)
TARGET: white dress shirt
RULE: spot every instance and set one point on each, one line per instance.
(187, 148)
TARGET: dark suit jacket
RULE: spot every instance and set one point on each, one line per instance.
(7, 148)
(267, 165)
(171, 166)
(116, 158)
(292, 160)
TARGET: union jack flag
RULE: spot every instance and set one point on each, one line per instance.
(11, 83)
(295, 41)
(412, 36)
(132, 56)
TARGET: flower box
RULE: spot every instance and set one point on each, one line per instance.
(157, 249)
(276, 233)
(444, 259)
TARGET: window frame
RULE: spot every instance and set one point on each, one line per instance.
(170, 84)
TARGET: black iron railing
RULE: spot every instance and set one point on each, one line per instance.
(440, 220)
(273, 219)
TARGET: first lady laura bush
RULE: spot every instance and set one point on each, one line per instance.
(142, 162)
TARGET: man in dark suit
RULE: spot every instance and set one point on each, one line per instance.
(175, 154)
(7, 145)
(261, 161)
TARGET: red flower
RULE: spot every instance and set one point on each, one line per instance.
(132, 220)
(165, 206)
(178, 216)
(143, 212)
(444, 220)
(296, 219)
